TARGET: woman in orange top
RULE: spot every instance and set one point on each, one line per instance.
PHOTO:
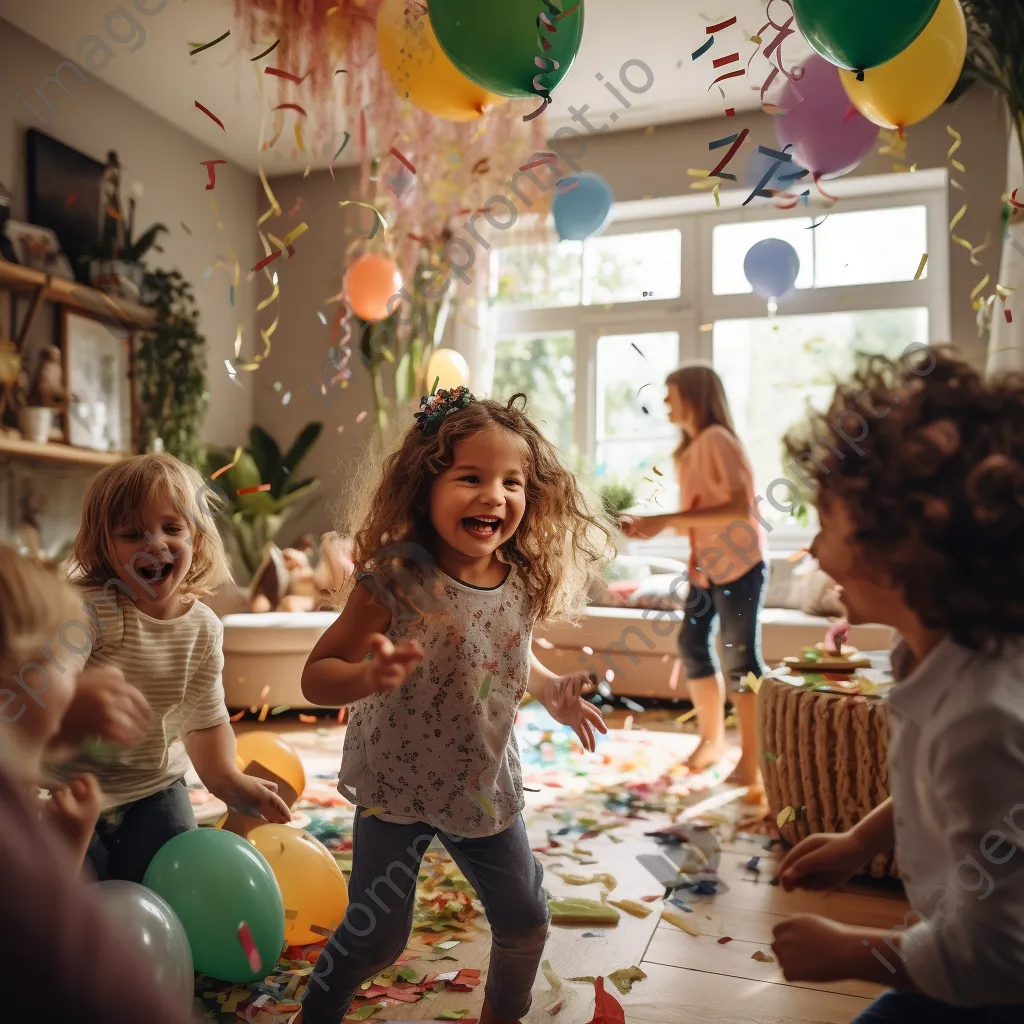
(728, 572)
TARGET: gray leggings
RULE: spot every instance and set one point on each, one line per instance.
(382, 893)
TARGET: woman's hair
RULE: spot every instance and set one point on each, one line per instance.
(119, 497)
(34, 604)
(933, 483)
(560, 544)
(701, 389)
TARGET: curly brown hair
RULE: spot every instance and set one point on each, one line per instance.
(934, 485)
(561, 544)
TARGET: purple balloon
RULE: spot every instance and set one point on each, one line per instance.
(828, 134)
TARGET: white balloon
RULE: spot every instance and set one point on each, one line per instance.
(147, 921)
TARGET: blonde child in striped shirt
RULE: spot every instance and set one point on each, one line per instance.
(147, 549)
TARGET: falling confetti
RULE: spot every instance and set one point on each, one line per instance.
(230, 465)
(211, 168)
(74, 195)
(205, 46)
(920, 267)
(361, 417)
(786, 815)
(211, 115)
(278, 73)
(269, 49)
(253, 490)
(402, 160)
(702, 49)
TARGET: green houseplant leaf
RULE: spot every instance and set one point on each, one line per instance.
(300, 448)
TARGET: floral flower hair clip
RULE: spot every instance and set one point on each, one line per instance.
(435, 406)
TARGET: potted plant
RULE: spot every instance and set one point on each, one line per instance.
(254, 517)
(170, 370)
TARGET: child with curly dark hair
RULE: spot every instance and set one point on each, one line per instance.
(922, 524)
(475, 533)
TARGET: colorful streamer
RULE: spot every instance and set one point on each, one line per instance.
(211, 115)
(205, 46)
(211, 168)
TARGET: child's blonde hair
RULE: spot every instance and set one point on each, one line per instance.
(561, 543)
(119, 496)
(34, 604)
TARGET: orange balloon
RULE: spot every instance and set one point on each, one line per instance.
(312, 885)
(370, 284)
(272, 752)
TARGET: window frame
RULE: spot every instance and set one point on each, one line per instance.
(697, 308)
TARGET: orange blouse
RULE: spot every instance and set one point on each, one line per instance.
(710, 470)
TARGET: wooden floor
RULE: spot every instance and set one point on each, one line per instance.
(690, 978)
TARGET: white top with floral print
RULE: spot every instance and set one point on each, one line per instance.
(441, 749)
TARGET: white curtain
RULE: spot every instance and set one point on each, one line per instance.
(1006, 341)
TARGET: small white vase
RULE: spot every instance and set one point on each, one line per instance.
(35, 422)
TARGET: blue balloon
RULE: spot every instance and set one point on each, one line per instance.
(583, 210)
(771, 266)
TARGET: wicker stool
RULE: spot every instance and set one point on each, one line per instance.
(825, 755)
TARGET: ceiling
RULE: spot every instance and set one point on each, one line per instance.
(161, 76)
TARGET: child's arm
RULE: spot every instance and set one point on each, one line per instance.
(106, 707)
(212, 753)
(337, 672)
(210, 744)
(73, 810)
(562, 696)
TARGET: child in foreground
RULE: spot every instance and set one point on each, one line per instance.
(146, 551)
(78, 967)
(925, 532)
(475, 533)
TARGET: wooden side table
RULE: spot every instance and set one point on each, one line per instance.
(825, 755)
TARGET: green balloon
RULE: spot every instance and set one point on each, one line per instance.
(495, 43)
(862, 35)
(215, 881)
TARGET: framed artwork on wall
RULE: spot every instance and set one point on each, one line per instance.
(98, 374)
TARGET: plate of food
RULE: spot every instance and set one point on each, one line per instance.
(834, 656)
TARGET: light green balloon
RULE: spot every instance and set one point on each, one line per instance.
(215, 881)
(495, 42)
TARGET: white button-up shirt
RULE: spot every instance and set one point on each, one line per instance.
(956, 765)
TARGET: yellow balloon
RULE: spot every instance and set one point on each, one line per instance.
(272, 752)
(312, 885)
(916, 82)
(449, 368)
(413, 59)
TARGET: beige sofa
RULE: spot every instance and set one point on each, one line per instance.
(264, 654)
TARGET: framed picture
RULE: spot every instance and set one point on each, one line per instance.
(38, 249)
(98, 380)
(64, 194)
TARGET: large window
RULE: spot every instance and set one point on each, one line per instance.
(590, 330)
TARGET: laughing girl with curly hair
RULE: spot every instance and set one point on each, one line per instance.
(475, 533)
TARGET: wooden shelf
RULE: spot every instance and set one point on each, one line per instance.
(75, 296)
(53, 451)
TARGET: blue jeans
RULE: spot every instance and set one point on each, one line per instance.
(127, 838)
(910, 1008)
(737, 606)
(382, 897)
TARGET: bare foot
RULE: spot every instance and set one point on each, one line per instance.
(706, 755)
(746, 773)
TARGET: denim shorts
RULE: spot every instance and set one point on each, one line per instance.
(736, 609)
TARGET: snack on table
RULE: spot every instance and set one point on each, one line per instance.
(834, 656)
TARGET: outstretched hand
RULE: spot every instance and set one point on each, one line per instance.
(640, 527)
(391, 666)
(563, 699)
